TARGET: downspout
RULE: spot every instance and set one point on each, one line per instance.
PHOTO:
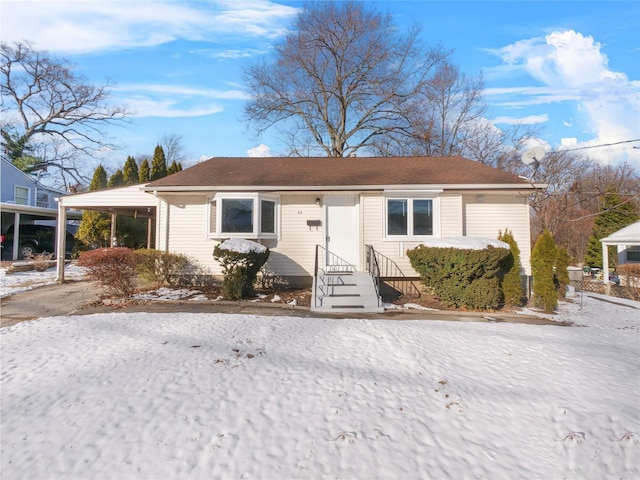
(61, 239)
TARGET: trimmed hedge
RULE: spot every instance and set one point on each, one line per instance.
(240, 271)
(462, 277)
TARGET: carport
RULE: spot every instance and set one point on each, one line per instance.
(15, 214)
(626, 237)
(129, 201)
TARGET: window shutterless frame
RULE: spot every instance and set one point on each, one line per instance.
(242, 215)
(411, 217)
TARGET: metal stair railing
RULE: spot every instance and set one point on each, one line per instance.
(373, 268)
(390, 273)
(331, 263)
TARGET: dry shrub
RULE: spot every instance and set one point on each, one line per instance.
(41, 261)
(113, 268)
(631, 273)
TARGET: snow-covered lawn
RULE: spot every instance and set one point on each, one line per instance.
(22, 281)
(200, 396)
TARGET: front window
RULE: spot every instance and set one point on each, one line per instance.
(233, 215)
(267, 216)
(21, 195)
(633, 254)
(237, 215)
(410, 217)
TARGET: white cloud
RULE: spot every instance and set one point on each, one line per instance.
(79, 26)
(171, 101)
(147, 107)
(181, 91)
(528, 120)
(573, 68)
(261, 150)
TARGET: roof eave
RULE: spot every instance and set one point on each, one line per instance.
(315, 188)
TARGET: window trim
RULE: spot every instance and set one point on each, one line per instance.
(410, 197)
(215, 231)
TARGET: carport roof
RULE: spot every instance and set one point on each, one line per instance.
(130, 201)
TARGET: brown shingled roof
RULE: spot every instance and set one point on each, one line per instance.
(339, 172)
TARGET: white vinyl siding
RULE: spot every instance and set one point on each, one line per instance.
(187, 221)
(497, 213)
(451, 215)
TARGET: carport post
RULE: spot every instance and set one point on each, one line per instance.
(113, 230)
(61, 240)
(605, 268)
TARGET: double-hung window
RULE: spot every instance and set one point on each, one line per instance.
(408, 217)
(21, 195)
(243, 215)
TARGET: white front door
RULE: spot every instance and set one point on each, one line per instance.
(343, 227)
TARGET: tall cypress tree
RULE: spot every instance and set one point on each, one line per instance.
(145, 173)
(130, 172)
(543, 261)
(95, 227)
(512, 283)
(615, 213)
(99, 179)
(158, 164)
(116, 180)
(175, 167)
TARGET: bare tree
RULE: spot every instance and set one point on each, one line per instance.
(345, 76)
(499, 148)
(50, 114)
(173, 146)
(571, 199)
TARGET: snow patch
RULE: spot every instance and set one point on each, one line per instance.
(241, 245)
(470, 243)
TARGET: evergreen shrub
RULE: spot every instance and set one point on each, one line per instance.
(450, 272)
(543, 264)
(240, 270)
(512, 282)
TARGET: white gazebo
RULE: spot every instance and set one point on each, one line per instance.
(626, 237)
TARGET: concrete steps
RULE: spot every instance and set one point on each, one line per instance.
(353, 292)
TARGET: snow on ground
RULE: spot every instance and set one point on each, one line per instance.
(136, 395)
(21, 281)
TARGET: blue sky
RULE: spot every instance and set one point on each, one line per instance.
(571, 67)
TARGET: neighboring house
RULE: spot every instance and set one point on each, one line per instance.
(627, 240)
(319, 214)
(25, 201)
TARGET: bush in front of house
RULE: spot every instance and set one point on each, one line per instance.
(241, 261)
(631, 283)
(511, 282)
(462, 277)
(546, 271)
(113, 268)
(158, 267)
